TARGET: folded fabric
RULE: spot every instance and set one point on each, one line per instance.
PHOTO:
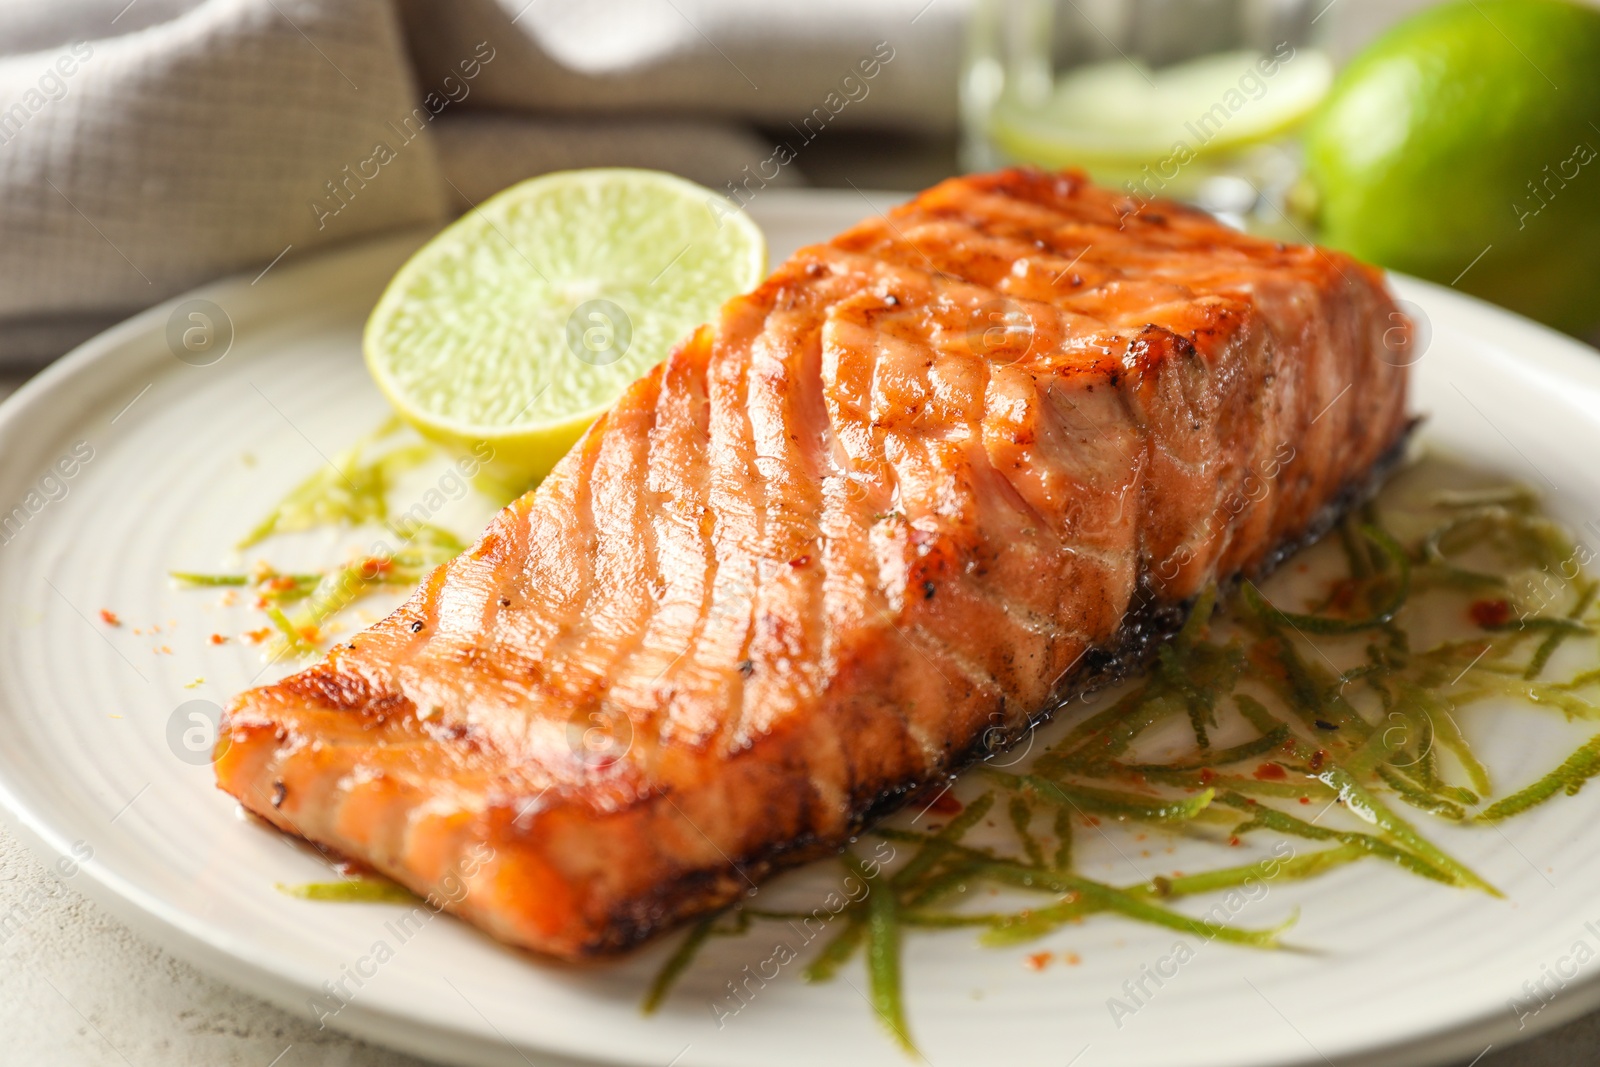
(134, 167)
(148, 147)
(760, 61)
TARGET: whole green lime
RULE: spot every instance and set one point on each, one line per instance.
(1464, 146)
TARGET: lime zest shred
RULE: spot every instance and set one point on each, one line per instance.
(193, 578)
(677, 963)
(346, 491)
(1116, 803)
(837, 952)
(883, 951)
(1100, 896)
(293, 636)
(1283, 822)
(368, 889)
(1326, 624)
(1021, 812)
(1261, 746)
(1547, 648)
(350, 490)
(1568, 778)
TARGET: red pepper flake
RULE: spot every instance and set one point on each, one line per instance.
(1305, 800)
(1207, 775)
(800, 561)
(217, 639)
(1264, 657)
(1269, 772)
(1489, 613)
(310, 634)
(373, 566)
(1234, 841)
(944, 804)
(281, 584)
(109, 617)
(1318, 758)
(255, 637)
(1342, 594)
(1040, 960)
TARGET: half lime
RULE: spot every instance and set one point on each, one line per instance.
(522, 321)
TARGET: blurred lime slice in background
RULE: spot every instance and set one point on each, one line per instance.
(527, 317)
(1464, 146)
(1116, 116)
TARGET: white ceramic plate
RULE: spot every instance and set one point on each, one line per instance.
(185, 457)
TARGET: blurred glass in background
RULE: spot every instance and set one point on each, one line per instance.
(1199, 100)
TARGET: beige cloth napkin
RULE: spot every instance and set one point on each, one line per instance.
(147, 147)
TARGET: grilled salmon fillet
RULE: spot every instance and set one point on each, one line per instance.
(927, 481)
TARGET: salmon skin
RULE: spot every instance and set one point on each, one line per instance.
(929, 480)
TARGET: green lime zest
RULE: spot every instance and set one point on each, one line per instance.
(677, 963)
(347, 491)
(1568, 778)
(1325, 624)
(883, 952)
(365, 890)
(1116, 803)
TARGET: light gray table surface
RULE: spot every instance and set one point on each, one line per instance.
(77, 987)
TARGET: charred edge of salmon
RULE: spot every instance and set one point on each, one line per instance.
(1152, 621)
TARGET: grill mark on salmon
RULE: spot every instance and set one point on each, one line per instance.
(927, 482)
